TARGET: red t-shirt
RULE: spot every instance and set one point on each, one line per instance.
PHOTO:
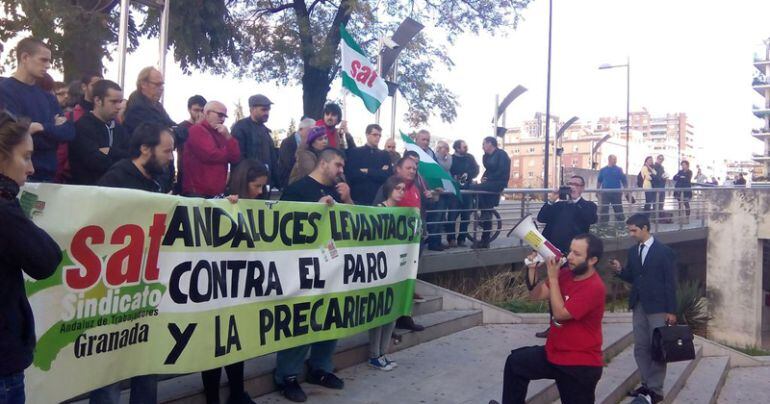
(578, 342)
(411, 197)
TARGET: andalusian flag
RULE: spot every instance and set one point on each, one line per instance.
(430, 171)
(359, 75)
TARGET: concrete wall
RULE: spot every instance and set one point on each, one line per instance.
(738, 220)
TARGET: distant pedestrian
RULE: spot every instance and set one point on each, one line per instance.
(612, 180)
(683, 184)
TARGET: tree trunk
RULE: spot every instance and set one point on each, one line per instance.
(84, 50)
(315, 88)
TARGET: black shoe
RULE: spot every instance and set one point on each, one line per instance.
(543, 334)
(493, 402)
(461, 243)
(639, 390)
(437, 247)
(292, 390)
(243, 398)
(325, 379)
(480, 244)
(656, 398)
(407, 323)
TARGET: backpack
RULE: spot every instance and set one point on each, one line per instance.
(639, 180)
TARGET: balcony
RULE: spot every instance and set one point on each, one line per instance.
(759, 158)
(760, 85)
(761, 134)
(761, 112)
(761, 63)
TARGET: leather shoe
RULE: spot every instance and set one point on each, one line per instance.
(543, 334)
(407, 323)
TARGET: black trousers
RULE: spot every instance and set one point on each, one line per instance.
(576, 384)
(616, 200)
(234, 379)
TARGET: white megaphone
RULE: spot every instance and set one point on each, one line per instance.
(527, 231)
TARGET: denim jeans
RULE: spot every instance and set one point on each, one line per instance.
(144, 389)
(289, 361)
(12, 389)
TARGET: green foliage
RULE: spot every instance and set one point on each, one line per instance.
(692, 306)
(286, 42)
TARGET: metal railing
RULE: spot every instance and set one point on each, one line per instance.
(665, 207)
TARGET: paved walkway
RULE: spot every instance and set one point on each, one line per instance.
(462, 368)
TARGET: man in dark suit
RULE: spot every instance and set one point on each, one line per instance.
(651, 270)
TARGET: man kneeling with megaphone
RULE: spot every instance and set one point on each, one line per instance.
(572, 354)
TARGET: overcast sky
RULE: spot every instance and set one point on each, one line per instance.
(686, 56)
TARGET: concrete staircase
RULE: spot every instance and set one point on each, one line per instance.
(460, 356)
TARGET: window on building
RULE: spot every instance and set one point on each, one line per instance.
(516, 150)
(531, 150)
(516, 175)
(574, 162)
(530, 174)
(575, 149)
(516, 163)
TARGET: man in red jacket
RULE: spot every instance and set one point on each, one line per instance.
(339, 138)
(209, 149)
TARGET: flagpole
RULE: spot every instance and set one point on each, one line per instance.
(379, 72)
(393, 104)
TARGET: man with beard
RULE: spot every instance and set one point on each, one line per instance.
(254, 138)
(151, 149)
(572, 355)
(336, 136)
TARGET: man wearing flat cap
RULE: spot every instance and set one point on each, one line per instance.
(254, 137)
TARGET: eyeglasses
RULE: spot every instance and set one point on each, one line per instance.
(222, 115)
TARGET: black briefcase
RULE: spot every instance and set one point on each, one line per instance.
(672, 343)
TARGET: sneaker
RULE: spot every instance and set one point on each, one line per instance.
(437, 247)
(325, 379)
(292, 390)
(639, 390)
(380, 364)
(480, 244)
(390, 362)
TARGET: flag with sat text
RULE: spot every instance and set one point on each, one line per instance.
(359, 75)
(431, 172)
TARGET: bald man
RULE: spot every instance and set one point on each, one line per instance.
(208, 152)
(390, 147)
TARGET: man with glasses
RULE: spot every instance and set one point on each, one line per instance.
(21, 96)
(209, 150)
(565, 216)
(144, 106)
(254, 138)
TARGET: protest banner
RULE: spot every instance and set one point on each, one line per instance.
(158, 284)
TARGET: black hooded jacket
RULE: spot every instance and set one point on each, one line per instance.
(24, 248)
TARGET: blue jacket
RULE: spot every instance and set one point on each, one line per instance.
(654, 284)
(31, 101)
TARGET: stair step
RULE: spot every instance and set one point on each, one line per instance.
(619, 376)
(431, 304)
(746, 385)
(462, 368)
(705, 381)
(545, 391)
(350, 351)
(677, 374)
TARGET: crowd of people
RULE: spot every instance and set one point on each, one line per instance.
(102, 140)
(88, 134)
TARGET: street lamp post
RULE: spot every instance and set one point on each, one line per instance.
(628, 102)
(548, 99)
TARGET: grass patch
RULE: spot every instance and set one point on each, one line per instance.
(749, 350)
(525, 306)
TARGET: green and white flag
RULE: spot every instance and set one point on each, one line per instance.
(359, 75)
(431, 172)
